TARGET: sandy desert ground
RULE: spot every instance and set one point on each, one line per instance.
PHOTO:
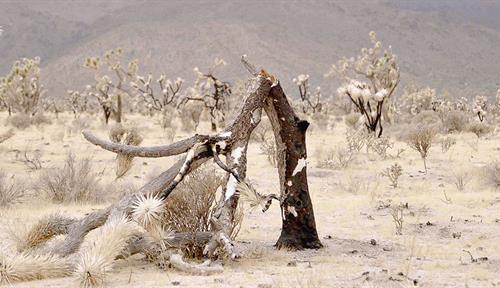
(352, 208)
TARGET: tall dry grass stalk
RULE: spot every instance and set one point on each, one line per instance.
(11, 191)
(97, 254)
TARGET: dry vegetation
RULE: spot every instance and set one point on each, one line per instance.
(411, 231)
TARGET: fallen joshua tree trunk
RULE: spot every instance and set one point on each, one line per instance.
(298, 230)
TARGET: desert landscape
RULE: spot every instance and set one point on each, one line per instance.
(227, 165)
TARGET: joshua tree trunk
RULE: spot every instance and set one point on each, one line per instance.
(299, 227)
(119, 109)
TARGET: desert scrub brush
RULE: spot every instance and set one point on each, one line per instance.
(98, 253)
(147, 211)
(26, 267)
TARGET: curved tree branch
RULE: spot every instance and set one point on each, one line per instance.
(151, 152)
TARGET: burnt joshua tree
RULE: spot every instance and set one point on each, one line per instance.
(264, 93)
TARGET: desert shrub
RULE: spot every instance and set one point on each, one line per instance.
(11, 191)
(379, 145)
(75, 182)
(493, 172)
(40, 119)
(393, 174)
(427, 118)
(421, 139)
(447, 143)
(461, 177)
(352, 120)
(479, 128)
(80, 123)
(31, 158)
(337, 158)
(455, 121)
(191, 205)
(127, 136)
(356, 139)
(20, 121)
(268, 148)
(262, 132)
(320, 120)
(190, 117)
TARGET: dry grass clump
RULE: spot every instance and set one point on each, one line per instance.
(22, 121)
(493, 172)
(7, 135)
(447, 143)
(352, 120)
(461, 177)
(337, 158)
(11, 191)
(126, 136)
(98, 253)
(480, 128)
(191, 205)
(455, 121)
(75, 182)
(190, 117)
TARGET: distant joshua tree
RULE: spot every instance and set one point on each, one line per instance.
(380, 69)
(20, 90)
(212, 92)
(110, 90)
(309, 104)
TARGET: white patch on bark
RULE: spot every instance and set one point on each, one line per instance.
(282, 118)
(289, 183)
(292, 211)
(221, 144)
(231, 187)
(236, 153)
(300, 165)
(226, 134)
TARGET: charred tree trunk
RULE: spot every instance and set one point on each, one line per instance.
(298, 224)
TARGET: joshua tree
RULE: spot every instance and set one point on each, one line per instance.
(212, 92)
(308, 104)
(110, 90)
(298, 231)
(77, 102)
(380, 69)
(479, 107)
(167, 91)
(21, 90)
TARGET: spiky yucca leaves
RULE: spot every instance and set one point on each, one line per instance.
(26, 267)
(98, 253)
(127, 136)
(48, 227)
(249, 195)
(147, 211)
